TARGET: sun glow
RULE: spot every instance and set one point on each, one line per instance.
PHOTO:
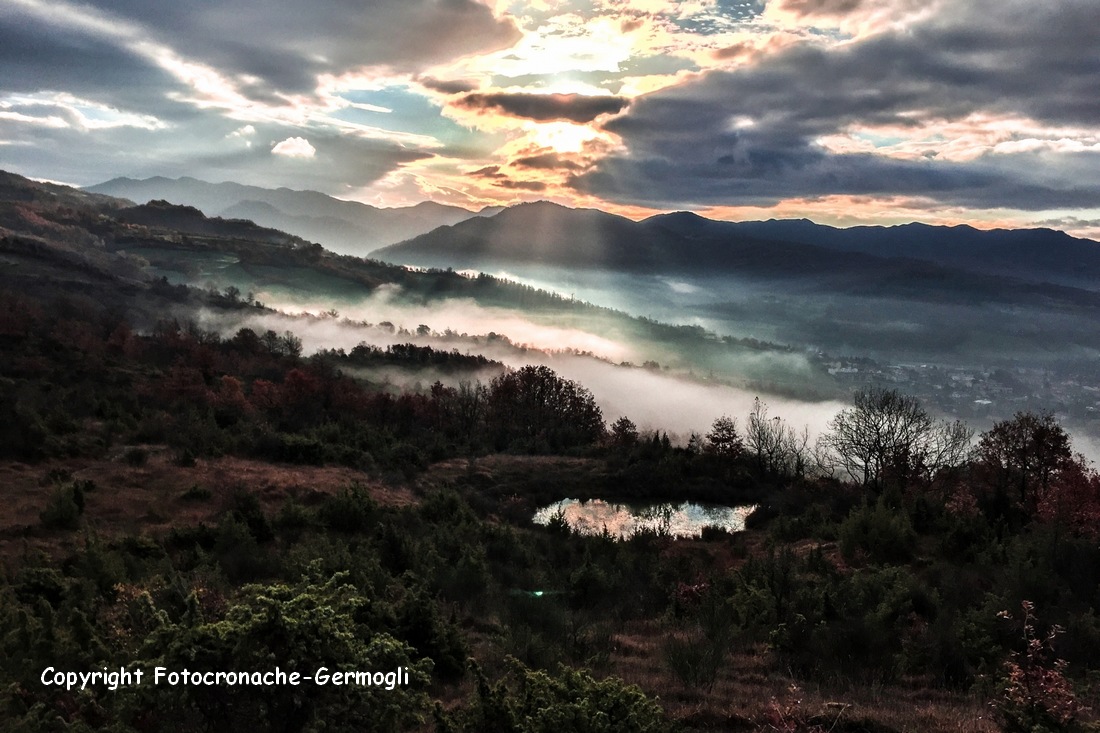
(563, 137)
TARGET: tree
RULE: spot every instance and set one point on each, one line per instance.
(778, 450)
(624, 433)
(534, 409)
(723, 439)
(1073, 499)
(888, 434)
(1023, 456)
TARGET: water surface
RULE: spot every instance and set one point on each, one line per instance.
(622, 520)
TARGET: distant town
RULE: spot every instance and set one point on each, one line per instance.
(981, 395)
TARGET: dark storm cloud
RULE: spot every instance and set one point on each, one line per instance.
(747, 136)
(269, 48)
(286, 44)
(547, 161)
(768, 177)
(542, 107)
(522, 185)
(37, 56)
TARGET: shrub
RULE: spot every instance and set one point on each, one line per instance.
(136, 457)
(64, 508)
(352, 510)
(1037, 697)
(293, 519)
(197, 493)
(881, 533)
(566, 701)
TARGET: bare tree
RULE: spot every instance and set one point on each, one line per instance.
(778, 450)
(888, 433)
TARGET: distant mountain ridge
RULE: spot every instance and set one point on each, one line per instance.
(547, 233)
(348, 227)
(1030, 254)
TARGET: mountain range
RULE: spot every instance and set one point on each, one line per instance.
(544, 233)
(347, 227)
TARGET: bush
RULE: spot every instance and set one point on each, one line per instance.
(350, 511)
(64, 508)
(693, 659)
(879, 532)
(136, 457)
(567, 701)
(1037, 696)
(293, 519)
(196, 493)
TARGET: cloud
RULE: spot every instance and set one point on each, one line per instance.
(489, 171)
(521, 185)
(455, 86)
(805, 8)
(53, 52)
(294, 147)
(547, 161)
(543, 107)
(197, 74)
(751, 136)
(55, 110)
(281, 46)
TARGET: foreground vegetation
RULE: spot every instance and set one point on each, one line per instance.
(891, 557)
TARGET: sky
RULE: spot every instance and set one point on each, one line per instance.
(984, 112)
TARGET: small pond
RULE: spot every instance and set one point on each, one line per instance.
(678, 520)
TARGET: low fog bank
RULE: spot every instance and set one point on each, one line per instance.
(616, 338)
(457, 316)
(658, 401)
(1085, 443)
(653, 399)
(885, 321)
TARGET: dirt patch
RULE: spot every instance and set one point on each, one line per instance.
(160, 494)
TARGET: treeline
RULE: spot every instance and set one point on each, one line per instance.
(81, 381)
(413, 357)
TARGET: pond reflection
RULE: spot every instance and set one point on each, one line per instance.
(622, 520)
